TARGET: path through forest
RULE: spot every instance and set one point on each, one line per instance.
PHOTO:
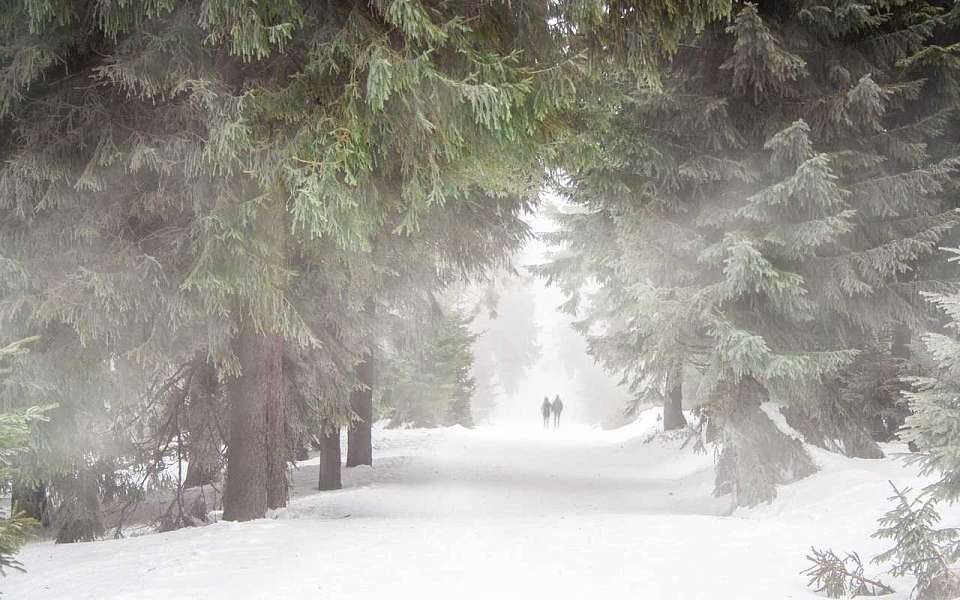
(493, 514)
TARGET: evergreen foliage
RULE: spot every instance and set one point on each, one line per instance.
(841, 577)
(174, 173)
(871, 391)
(185, 186)
(920, 549)
(766, 215)
(15, 439)
(933, 426)
(426, 380)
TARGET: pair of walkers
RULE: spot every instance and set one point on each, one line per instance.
(551, 408)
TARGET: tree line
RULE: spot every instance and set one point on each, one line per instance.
(229, 230)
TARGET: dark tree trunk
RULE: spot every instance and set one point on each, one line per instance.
(900, 347)
(673, 408)
(203, 436)
(360, 437)
(259, 355)
(330, 459)
(277, 450)
(79, 513)
(203, 465)
(31, 501)
(302, 450)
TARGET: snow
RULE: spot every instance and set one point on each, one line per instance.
(498, 513)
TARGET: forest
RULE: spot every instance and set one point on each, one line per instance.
(259, 262)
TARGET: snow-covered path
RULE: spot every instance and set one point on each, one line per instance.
(454, 513)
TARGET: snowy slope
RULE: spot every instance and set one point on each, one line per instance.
(455, 513)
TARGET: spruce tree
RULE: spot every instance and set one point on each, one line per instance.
(15, 439)
(172, 170)
(841, 577)
(427, 381)
(507, 343)
(175, 173)
(933, 426)
(920, 548)
(757, 215)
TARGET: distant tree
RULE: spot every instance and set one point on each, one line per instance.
(507, 343)
(427, 381)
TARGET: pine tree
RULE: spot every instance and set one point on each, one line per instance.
(507, 339)
(216, 152)
(757, 216)
(933, 425)
(919, 548)
(427, 381)
(175, 173)
(841, 577)
(15, 433)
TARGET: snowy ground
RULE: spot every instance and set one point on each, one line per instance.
(487, 513)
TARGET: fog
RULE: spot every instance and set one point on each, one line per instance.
(529, 349)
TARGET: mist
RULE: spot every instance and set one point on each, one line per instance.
(540, 353)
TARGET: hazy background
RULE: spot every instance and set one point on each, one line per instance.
(528, 350)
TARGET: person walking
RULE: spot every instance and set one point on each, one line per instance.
(556, 408)
(545, 409)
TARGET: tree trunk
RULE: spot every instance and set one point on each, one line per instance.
(360, 436)
(673, 408)
(79, 510)
(277, 450)
(756, 455)
(31, 501)
(302, 450)
(259, 355)
(330, 459)
(203, 434)
(900, 346)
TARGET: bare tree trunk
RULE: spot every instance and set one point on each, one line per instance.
(900, 346)
(360, 436)
(277, 451)
(31, 501)
(259, 355)
(203, 434)
(330, 459)
(673, 408)
(302, 450)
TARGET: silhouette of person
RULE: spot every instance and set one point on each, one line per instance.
(556, 408)
(545, 411)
